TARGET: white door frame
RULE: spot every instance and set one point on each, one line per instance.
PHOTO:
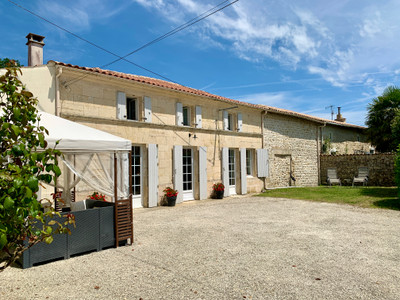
(137, 200)
(188, 194)
(232, 173)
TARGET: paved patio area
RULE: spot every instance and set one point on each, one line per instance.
(235, 248)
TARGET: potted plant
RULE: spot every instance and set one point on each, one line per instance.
(218, 190)
(97, 196)
(170, 194)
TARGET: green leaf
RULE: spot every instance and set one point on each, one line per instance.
(33, 183)
(28, 192)
(56, 170)
(41, 140)
(49, 239)
(3, 240)
(52, 222)
(16, 130)
(49, 230)
(18, 182)
(8, 202)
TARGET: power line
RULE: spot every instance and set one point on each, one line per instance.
(87, 41)
(176, 30)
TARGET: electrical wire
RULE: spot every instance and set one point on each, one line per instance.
(191, 22)
(87, 41)
(177, 29)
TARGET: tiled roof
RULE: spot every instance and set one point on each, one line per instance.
(185, 89)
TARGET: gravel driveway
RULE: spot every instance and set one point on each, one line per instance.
(235, 248)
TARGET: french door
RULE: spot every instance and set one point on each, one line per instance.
(137, 176)
(187, 172)
(232, 171)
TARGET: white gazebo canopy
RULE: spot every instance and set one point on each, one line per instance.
(90, 155)
(75, 137)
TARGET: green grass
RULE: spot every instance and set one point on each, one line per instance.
(375, 197)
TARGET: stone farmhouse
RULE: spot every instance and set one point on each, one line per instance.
(187, 138)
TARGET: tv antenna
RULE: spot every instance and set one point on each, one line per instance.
(332, 112)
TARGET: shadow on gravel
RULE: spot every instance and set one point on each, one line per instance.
(388, 203)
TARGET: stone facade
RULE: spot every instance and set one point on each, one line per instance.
(92, 101)
(293, 149)
(345, 140)
(381, 167)
(293, 141)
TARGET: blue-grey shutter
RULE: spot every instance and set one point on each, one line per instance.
(147, 109)
(178, 172)
(243, 171)
(179, 114)
(239, 122)
(153, 174)
(225, 170)
(226, 122)
(203, 172)
(121, 106)
(262, 163)
(198, 117)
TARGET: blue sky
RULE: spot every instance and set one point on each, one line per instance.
(300, 55)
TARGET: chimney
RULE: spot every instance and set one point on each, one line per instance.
(339, 117)
(35, 49)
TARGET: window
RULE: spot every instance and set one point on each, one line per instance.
(132, 108)
(249, 162)
(230, 122)
(186, 116)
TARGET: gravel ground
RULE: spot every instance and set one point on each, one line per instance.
(235, 248)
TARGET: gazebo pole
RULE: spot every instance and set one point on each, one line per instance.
(115, 201)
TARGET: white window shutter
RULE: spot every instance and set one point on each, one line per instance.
(121, 106)
(262, 163)
(225, 170)
(179, 114)
(147, 109)
(203, 172)
(178, 172)
(243, 173)
(225, 115)
(198, 117)
(153, 174)
(239, 122)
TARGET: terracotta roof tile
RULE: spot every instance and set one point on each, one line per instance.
(185, 89)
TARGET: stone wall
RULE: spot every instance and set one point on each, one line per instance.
(92, 102)
(293, 148)
(381, 167)
(346, 140)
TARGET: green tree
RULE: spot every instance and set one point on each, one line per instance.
(25, 160)
(6, 63)
(381, 113)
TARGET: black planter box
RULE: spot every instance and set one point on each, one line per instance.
(94, 231)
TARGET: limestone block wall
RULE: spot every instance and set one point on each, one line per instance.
(93, 103)
(381, 167)
(293, 147)
(346, 140)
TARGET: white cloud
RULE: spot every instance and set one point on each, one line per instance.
(340, 41)
(78, 16)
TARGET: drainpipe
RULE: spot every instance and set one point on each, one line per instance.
(263, 114)
(319, 146)
(57, 99)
